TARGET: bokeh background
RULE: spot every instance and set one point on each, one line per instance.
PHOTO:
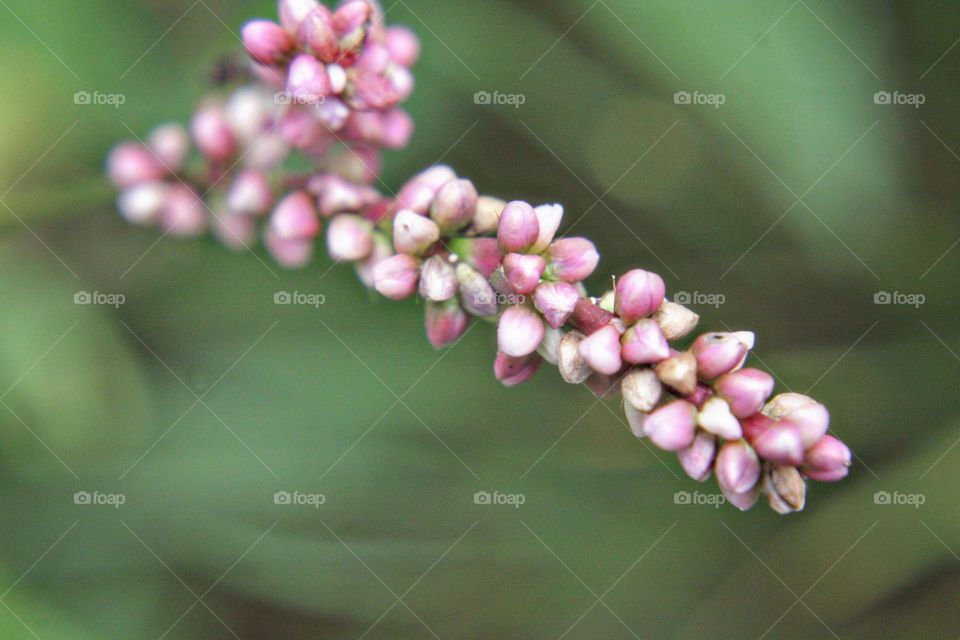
(797, 201)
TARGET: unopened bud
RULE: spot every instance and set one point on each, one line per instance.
(130, 164)
(480, 253)
(811, 417)
(601, 350)
(719, 353)
(513, 371)
(828, 460)
(170, 144)
(476, 294)
(641, 389)
(438, 280)
(267, 42)
(519, 332)
(307, 80)
(183, 214)
(396, 277)
(413, 234)
(571, 259)
(556, 301)
(486, 217)
(672, 427)
(454, 205)
(142, 203)
(639, 294)
(295, 218)
(290, 254)
(519, 228)
(318, 36)
(737, 468)
(675, 320)
(548, 217)
(212, 133)
(745, 390)
(643, 343)
(523, 271)
(249, 194)
(716, 418)
(680, 372)
(349, 238)
(786, 491)
(573, 367)
(293, 13)
(776, 441)
(697, 459)
(445, 322)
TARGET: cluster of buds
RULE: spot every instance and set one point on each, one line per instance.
(462, 254)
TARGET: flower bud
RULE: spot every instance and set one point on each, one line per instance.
(382, 249)
(601, 350)
(786, 491)
(445, 322)
(718, 353)
(267, 42)
(249, 194)
(672, 427)
(697, 459)
(307, 80)
(170, 144)
(289, 253)
(548, 217)
(480, 253)
(589, 317)
(233, 231)
(643, 343)
(454, 205)
(130, 164)
(417, 194)
(403, 44)
(701, 393)
(518, 228)
(142, 203)
(742, 501)
(641, 389)
(828, 460)
(318, 36)
(716, 418)
(745, 390)
(294, 12)
(603, 386)
(777, 441)
(523, 271)
(550, 346)
(571, 259)
(337, 195)
(413, 234)
(438, 280)
(350, 22)
(397, 129)
(486, 217)
(513, 371)
(737, 468)
(519, 332)
(675, 320)
(183, 214)
(639, 294)
(349, 238)
(396, 277)
(556, 301)
(635, 418)
(811, 417)
(476, 294)
(573, 368)
(295, 218)
(680, 372)
(212, 133)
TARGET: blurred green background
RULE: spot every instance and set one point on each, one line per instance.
(797, 200)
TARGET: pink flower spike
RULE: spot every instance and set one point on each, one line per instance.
(518, 229)
(643, 343)
(520, 332)
(828, 460)
(745, 390)
(601, 350)
(811, 417)
(267, 42)
(697, 459)
(672, 427)
(291, 254)
(183, 214)
(445, 322)
(523, 272)
(307, 80)
(295, 218)
(413, 234)
(549, 217)
(778, 442)
(556, 301)
(318, 36)
(249, 194)
(513, 371)
(349, 238)
(719, 353)
(170, 144)
(571, 260)
(404, 46)
(454, 205)
(639, 294)
(212, 133)
(396, 277)
(294, 12)
(438, 280)
(737, 468)
(130, 164)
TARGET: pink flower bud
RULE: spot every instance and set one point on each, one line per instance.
(183, 214)
(130, 164)
(445, 322)
(601, 350)
(212, 133)
(641, 389)
(518, 229)
(573, 368)
(486, 218)
(382, 249)
(397, 129)
(249, 194)
(331, 113)
(777, 441)
(675, 320)
(396, 277)
(680, 372)
(371, 90)
(549, 217)
(697, 459)
(337, 195)
(715, 417)
(643, 343)
(672, 427)
(513, 371)
(482, 254)
(438, 280)
(294, 12)
(701, 393)
(267, 42)
(307, 80)
(571, 259)
(828, 460)
(519, 332)
(556, 301)
(742, 501)
(786, 491)
(404, 46)
(718, 353)
(639, 294)
(454, 205)
(417, 194)
(350, 22)
(349, 238)
(318, 36)
(745, 390)
(338, 78)
(737, 468)
(476, 294)
(289, 253)
(523, 272)
(811, 417)
(295, 218)
(170, 144)
(413, 234)
(550, 346)
(635, 419)
(233, 231)
(142, 203)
